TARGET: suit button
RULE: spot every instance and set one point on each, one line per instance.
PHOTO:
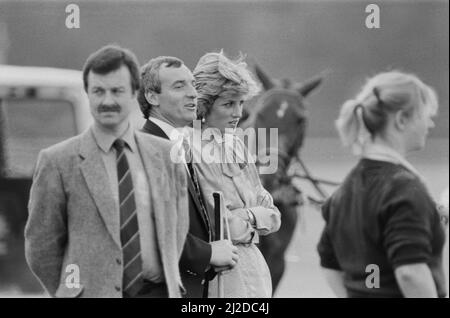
(118, 261)
(118, 288)
(191, 273)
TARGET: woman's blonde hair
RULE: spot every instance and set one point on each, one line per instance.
(217, 76)
(383, 94)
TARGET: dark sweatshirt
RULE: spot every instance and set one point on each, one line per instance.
(382, 214)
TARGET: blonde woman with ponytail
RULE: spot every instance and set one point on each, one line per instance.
(383, 235)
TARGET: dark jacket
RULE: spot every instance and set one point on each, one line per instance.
(383, 216)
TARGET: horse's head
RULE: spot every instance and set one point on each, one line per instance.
(280, 106)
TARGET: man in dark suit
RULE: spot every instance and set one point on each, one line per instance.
(168, 101)
(108, 207)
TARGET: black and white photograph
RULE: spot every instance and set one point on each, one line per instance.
(224, 149)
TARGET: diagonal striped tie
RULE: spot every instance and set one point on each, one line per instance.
(129, 227)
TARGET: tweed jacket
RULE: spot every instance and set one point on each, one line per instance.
(71, 229)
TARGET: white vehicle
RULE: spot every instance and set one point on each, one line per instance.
(39, 107)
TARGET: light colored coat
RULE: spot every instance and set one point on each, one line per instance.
(71, 219)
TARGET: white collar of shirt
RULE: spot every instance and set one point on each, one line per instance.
(175, 134)
(171, 132)
(383, 153)
(105, 141)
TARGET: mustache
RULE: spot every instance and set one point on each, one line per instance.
(109, 108)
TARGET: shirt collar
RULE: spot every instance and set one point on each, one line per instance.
(384, 153)
(171, 132)
(105, 141)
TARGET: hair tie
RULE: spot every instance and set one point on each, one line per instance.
(361, 106)
(376, 92)
(358, 107)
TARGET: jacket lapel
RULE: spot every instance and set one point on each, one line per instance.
(153, 129)
(94, 172)
(168, 222)
(157, 182)
(153, 165)
(156, 174)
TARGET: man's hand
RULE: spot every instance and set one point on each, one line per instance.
(224, 254)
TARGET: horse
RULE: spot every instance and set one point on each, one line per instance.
(282, 106)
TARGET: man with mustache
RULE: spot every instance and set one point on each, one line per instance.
(108, 207)
(168, 100)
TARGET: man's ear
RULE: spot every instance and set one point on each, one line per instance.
(401, 120)
(152, 98)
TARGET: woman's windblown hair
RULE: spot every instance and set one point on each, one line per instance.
(217, 75)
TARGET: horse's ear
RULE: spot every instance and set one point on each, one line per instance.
(265, 80)
(308, 86)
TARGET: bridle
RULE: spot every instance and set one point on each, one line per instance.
(290, 164)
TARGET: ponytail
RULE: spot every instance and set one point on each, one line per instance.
(384, 94)
(350, 124)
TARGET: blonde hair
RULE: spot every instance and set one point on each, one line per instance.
(386, 93)
(217, 76)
